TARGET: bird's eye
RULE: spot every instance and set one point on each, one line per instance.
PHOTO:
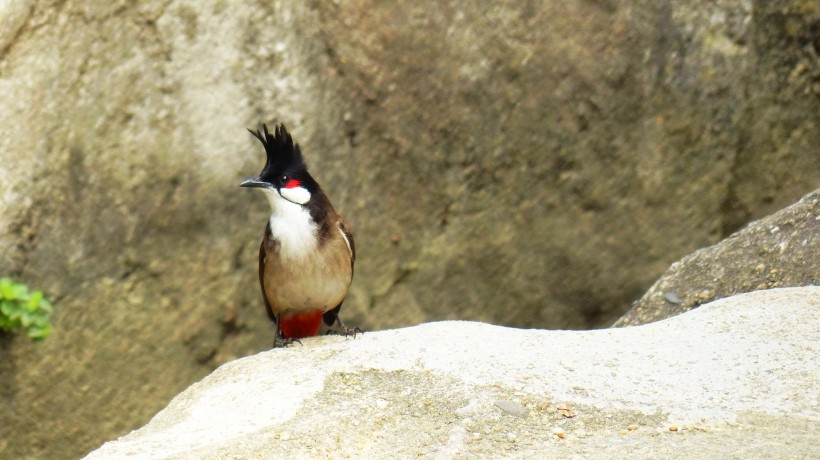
(284, 179)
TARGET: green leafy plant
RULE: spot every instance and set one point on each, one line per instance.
(21, 309)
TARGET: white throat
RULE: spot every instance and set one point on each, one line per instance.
(292, 226)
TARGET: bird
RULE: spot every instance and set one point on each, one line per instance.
(307, 253)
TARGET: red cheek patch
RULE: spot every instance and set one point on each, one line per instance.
(293, 183)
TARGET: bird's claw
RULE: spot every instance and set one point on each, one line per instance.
(345, 331)
(279, 342)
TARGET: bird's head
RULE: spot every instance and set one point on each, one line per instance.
(285, 173)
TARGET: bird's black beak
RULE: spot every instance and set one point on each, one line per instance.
(255, 182)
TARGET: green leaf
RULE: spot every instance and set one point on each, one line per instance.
(39, 320)
(21, 309)
(20, 291)
(34, 301)
(6, 307)
(39, 333)
(6, 289)
(11, 310)
(26, 319)
(46, 307)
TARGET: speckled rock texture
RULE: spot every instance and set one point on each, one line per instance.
(531, 164)
(780, 250)
(737, 378)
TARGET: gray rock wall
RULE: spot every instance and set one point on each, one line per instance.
(527, 164)
(782, 249)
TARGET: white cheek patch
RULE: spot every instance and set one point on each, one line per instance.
(298, 195)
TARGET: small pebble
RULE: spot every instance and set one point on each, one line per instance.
(565, 410)
(672, 297)
(511, 407)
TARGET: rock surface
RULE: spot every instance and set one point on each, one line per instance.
(777, 251)
(521, 163)
(736, 378)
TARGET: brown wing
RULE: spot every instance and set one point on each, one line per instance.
(330, 316)
(262, 279)
(350, 243)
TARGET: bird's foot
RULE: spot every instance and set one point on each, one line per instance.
(344, 329)
(279, 342)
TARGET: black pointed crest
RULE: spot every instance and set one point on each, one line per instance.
(282, 153)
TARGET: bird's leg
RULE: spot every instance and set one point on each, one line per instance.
(344, 329)
(281, 342)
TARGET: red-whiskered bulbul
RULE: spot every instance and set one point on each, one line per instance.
(307, 253)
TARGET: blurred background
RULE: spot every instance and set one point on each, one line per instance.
(523, 163)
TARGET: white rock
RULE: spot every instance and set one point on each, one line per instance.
(734, 374)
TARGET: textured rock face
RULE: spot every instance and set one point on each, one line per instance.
(736, 373)
(523, 164)
(780, 250)
(556, 156)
